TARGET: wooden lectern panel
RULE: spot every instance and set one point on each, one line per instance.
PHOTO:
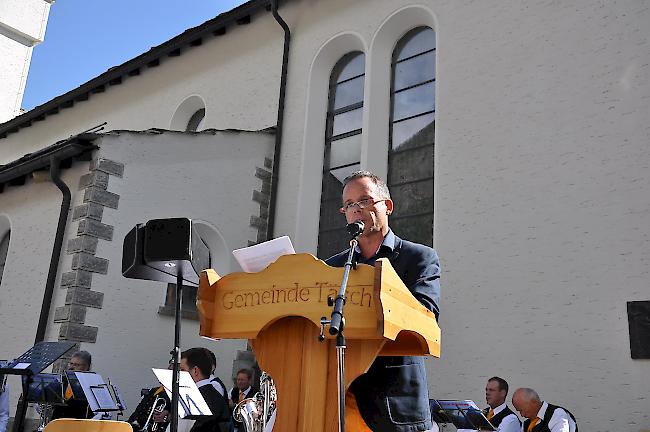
(279, 311)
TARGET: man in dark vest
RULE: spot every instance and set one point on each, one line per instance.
(243, 390)
(498, 412)
(542, 416)
(392, 396)
(198, 363)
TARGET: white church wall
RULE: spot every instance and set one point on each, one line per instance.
(212, 182)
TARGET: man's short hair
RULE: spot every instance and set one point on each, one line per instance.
(200, 358)
(381, 186)
(213, 359)
(247, 372)
(85, 356)
(503, 384)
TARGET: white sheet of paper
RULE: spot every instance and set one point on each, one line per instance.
(190, 401)
(256, 258)
(22, 365)
(87, 379)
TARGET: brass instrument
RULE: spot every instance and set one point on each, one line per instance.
(159, 405)
(254, 413)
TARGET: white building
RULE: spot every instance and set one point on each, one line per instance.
(540, 181)
(22, 26)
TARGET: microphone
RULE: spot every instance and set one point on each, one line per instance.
(355, 228)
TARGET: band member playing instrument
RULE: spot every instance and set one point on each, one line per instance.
(243, 389)
(198, 363)
(393, 394)
(152, 413)
(542, 416)
(498, 413)
(81, 361)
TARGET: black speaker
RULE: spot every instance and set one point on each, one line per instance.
(161, 248)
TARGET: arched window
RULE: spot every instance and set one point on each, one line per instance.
(342, 147)
(412, 125)
(4, 248)
(194, 123)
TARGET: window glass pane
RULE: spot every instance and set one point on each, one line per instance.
(347, 121)
(345, 151)
(353, 68)
(420, 42)
(418, 228)
(348, 93)
(411, 165)
(412, 198)
(415, 70)
(416, 100)
(342, 173)
(413, 132)
(332, 242)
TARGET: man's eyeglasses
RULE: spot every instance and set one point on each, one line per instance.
(365, 203)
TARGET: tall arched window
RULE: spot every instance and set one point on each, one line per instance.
(412, 125)
(4, 248)
(342, 147)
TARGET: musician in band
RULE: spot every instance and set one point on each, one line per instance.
(498, 412)
(81, 361)
(215, 380)
(542, 416)
(393, 394)
(198, 363)
(4, 401)
(151, 410)
(243, 389)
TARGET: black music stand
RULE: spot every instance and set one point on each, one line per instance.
(32, 362)
(462, 413)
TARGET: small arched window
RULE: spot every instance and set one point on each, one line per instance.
(4, 248)
(195, 122)
(342, 147)
(412, 126)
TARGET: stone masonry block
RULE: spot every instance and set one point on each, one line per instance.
(77, 278)
(258, 222)
(98, 179)
(83, 243)
(108, 166)
(262, 174)
(95, 229)
(89, 210)
(91, 263)
(70, 313)
(84, 297)
(99, 196)
(261, 198)
(78, 332)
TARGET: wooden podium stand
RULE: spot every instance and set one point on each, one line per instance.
(279, 311)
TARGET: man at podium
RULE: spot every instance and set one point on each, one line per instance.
(393, 394)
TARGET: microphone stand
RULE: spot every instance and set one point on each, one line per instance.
(176, 352)
(337, 324)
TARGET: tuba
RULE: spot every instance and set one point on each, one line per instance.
(254, 413)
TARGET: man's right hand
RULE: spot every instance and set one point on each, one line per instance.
(161, 417)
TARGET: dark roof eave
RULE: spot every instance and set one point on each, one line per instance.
(116, 73)
(65, 149)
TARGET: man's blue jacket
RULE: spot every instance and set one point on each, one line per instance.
(393, 394)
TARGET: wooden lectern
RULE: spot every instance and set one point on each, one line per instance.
(279, 311)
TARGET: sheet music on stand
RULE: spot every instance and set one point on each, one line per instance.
(464, 414)
(37, 358)
(94, 390)
(191, 404)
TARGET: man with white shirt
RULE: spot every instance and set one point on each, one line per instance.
(4, 403)
(198, 363)
(542, 416)
(498, 413)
